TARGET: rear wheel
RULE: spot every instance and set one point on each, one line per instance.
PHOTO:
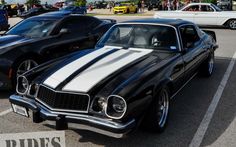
(232, 24)
(157, 117)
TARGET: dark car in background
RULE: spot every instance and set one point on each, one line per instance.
(69, 10)
(129, 79)
(153, 4)
(75, 9)
(4, 20)
(41, 38)
(37, 11)
(11, 9)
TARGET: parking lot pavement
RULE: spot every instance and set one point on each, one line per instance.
(187, 111)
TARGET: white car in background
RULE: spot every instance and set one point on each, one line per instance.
(206, 14)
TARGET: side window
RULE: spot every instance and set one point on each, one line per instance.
(210, 9)
(75, 25)
(189, 36)
(192, 8)
(206, 8)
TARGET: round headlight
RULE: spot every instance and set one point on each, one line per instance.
(22, 85)
(99, 104)
(116, 107)
(33, 89)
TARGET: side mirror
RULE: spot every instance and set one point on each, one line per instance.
(64, 31)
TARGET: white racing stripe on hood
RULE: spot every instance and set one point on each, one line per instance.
(60, 75)
(103, 68)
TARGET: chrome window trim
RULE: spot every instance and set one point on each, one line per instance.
(63, 110)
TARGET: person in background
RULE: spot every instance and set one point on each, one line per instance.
(142, 5)
(46, 4)
(18, 9)
(139, 6)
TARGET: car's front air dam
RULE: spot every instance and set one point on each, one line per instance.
(64, 120)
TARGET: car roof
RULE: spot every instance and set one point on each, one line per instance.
(54, 17)
(172, 22)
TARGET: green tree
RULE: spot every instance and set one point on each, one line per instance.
(3, 2)
(32, 2)
(80, 2)
(209, 1)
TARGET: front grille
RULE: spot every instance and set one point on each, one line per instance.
(63, 100)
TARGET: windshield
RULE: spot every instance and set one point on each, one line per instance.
(33, 28)
(141, 36)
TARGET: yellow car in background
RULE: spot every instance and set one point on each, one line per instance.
(125, 8)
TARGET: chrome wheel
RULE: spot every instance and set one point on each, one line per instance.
(25, 66)
(163, 105)
(232, 24)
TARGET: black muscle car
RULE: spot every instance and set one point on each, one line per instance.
(137, 68)
(41, 38)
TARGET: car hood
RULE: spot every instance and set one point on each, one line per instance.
(103, 69)
(12, 40)
(121, 7)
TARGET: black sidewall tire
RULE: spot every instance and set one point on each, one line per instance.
(150, 122)
(204, 70)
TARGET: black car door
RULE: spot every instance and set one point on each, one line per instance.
(70, 35)
(194, 49)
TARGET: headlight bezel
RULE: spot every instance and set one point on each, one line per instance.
(36, 88)
(107, 106)
(23, 86)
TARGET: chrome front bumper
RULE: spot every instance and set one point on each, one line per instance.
(69, 120)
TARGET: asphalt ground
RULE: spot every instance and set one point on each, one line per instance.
(202, 113)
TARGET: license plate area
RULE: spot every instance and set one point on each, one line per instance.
(20, 110)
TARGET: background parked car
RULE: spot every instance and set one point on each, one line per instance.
(36, 11)
(3, 20)
(224, 4)
(75, 9)
(11, 9)
(125, 8)
(204, 14)
(41, 38)
(100, 5)
(153, 4)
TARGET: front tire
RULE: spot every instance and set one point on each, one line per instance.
(207, 67)
(157, 116)
(232, 24)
